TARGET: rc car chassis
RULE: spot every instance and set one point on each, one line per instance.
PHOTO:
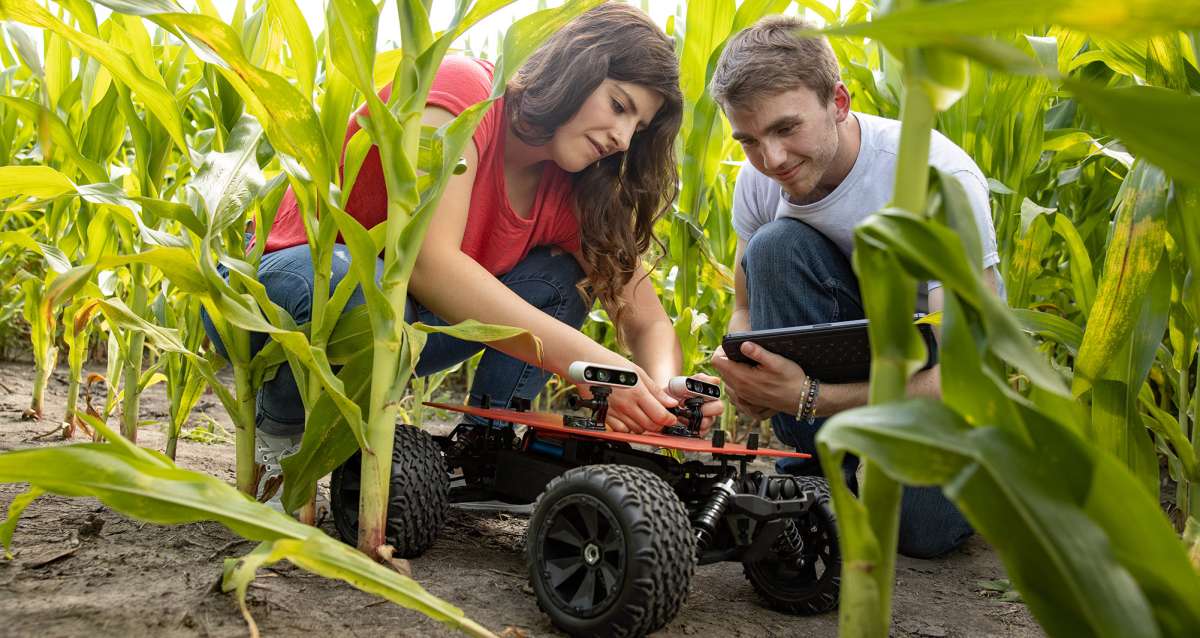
(616, 530)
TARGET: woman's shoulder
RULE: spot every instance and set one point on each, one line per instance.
(462, 80)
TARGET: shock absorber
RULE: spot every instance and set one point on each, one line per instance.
(707, 518)
(789, 546)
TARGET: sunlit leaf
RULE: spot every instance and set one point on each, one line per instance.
(149, 487)
(1132, 258)
(1095, 577)
(1157, 124)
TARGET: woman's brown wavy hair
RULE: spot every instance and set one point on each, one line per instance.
(619, 198)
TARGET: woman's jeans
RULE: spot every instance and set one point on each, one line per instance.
(796, 276)
(546, 279)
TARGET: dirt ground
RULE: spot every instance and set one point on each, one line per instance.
(81, 569)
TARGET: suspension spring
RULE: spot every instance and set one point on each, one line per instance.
(790, 543)
(707, 518)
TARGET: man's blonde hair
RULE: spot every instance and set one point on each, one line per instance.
(769, 58)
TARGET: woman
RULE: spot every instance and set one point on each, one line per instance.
(566, 176)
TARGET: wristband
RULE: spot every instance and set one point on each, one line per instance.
(803, 396)
(808, 409)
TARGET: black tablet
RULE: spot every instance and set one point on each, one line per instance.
(832, 352)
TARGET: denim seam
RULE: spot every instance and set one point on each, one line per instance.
(831, 286)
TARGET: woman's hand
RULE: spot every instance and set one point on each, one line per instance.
(709, 409)
(642, 408)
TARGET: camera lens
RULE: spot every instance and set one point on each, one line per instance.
(602, 376)
(690, 385)
(588, 374)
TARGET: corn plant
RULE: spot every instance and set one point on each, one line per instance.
(77, 334)
(146, 485)
(272, 100)
(181, 232)
(394, 127)
(184, 379)
(1020, 469)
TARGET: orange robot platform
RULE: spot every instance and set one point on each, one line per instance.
(552, 424)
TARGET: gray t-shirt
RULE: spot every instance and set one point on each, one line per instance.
(758, 199)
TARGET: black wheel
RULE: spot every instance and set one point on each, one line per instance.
(417, 501)
(802, 573)
(610, 550)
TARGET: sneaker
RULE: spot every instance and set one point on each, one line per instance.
(269, 451)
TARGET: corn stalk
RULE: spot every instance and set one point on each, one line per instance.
(989, 450)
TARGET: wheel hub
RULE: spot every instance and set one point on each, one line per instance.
(583, 555)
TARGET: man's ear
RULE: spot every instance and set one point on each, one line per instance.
(841, 101)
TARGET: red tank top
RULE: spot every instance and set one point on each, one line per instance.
(495, 236)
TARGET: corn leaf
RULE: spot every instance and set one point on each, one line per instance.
(1083, 282)
(1130, 264)
(1052, 327)
(157, 99)
(15, 508)
(299, 39)
(56, 134)
(935, 252)
(227, 182)
(930, 24)
(327, 441)
(41, 182)
(1155, 123)
(291, 123)
(1095, 579)
(176, 263)
(147, 486)
(1116, 423)
(471, 330)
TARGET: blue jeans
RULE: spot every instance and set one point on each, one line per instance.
(796, 276)
(546, 279)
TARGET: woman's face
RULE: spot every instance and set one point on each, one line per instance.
(604, 124)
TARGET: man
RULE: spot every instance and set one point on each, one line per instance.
(815, 170)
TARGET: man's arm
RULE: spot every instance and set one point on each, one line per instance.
(739, 321)
(776, 382)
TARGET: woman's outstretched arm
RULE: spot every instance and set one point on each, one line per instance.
(455, 287)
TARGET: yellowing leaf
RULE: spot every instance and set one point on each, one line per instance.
(40, 182)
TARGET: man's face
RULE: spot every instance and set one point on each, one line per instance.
(790, 137)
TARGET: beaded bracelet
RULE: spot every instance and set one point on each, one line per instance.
(803, 397)
(808, 409)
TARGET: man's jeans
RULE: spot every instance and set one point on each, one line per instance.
(796, 276)
(546, 279)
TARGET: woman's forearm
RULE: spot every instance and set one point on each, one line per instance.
(475, 293)
(656, 349)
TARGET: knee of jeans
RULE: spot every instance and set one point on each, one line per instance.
(290, 290)
(930, 525)
(561, 273)
(574, 310)
(783, 241)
